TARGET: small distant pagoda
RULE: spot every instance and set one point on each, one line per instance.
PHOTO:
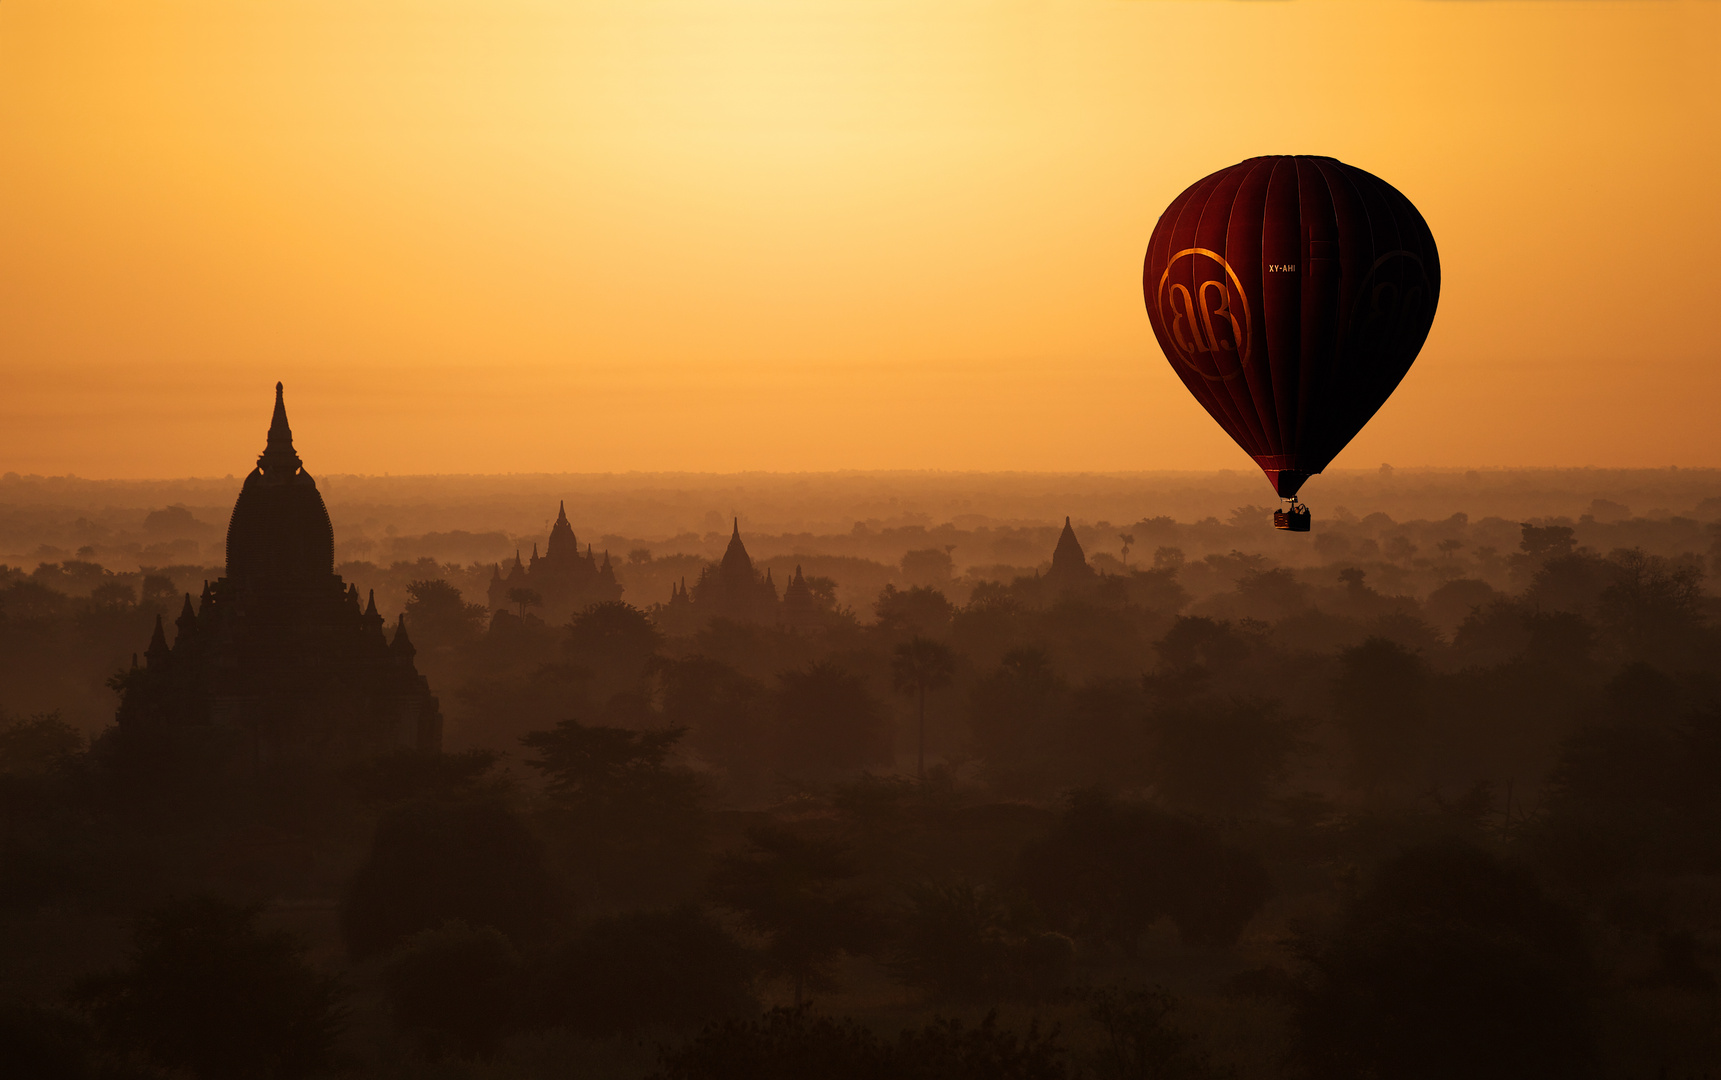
(1069, 562)
(734, 589)
(564, 581)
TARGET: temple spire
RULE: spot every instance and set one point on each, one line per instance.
(186, 624)
(280, 435)
(735, 559)
(1068, 559)
(371, 622)
(562, 546)
(158, 650)
(278, 455)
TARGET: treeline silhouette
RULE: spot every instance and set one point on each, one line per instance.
(1116, 824)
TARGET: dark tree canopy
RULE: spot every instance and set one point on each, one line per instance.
(794, 890)
(1450, 964)
(828, 723)
(962, 942)
(432, 861)
(440, 616)
(454, 990)
(1108, 870)
(603, 770)
(673, 968)
(207, 991)
(795, 1044)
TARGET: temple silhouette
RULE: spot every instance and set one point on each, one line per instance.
(280, 653)
(734, 589)
(563, 581)
(1070, 567)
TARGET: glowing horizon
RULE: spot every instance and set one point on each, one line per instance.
(834, 234)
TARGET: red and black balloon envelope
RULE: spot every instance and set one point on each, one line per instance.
(1291, 294)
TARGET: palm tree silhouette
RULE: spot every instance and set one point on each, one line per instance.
(918, 665)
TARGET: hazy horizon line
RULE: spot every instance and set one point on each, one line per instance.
(10, 477)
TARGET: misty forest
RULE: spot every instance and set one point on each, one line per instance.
(860, 776)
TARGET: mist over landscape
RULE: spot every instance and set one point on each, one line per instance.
(857, 529)
(885, 751)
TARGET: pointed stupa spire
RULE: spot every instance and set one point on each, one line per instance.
(562, 543)
(370, 623)
(798, 607)
(278, 457)
(1068, 557)
(736, 559)
(158, 650)
(186, 624)
(280, 435)
(402, 645)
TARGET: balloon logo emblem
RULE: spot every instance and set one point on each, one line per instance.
(1394, 306)
(1207, 314)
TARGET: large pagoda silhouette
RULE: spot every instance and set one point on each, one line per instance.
(279, 655)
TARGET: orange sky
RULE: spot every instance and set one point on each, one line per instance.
(523, 235)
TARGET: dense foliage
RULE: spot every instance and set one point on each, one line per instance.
(1423, 807)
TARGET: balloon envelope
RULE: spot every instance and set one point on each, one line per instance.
(1291, 295)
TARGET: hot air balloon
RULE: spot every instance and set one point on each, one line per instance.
(1291, 294)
